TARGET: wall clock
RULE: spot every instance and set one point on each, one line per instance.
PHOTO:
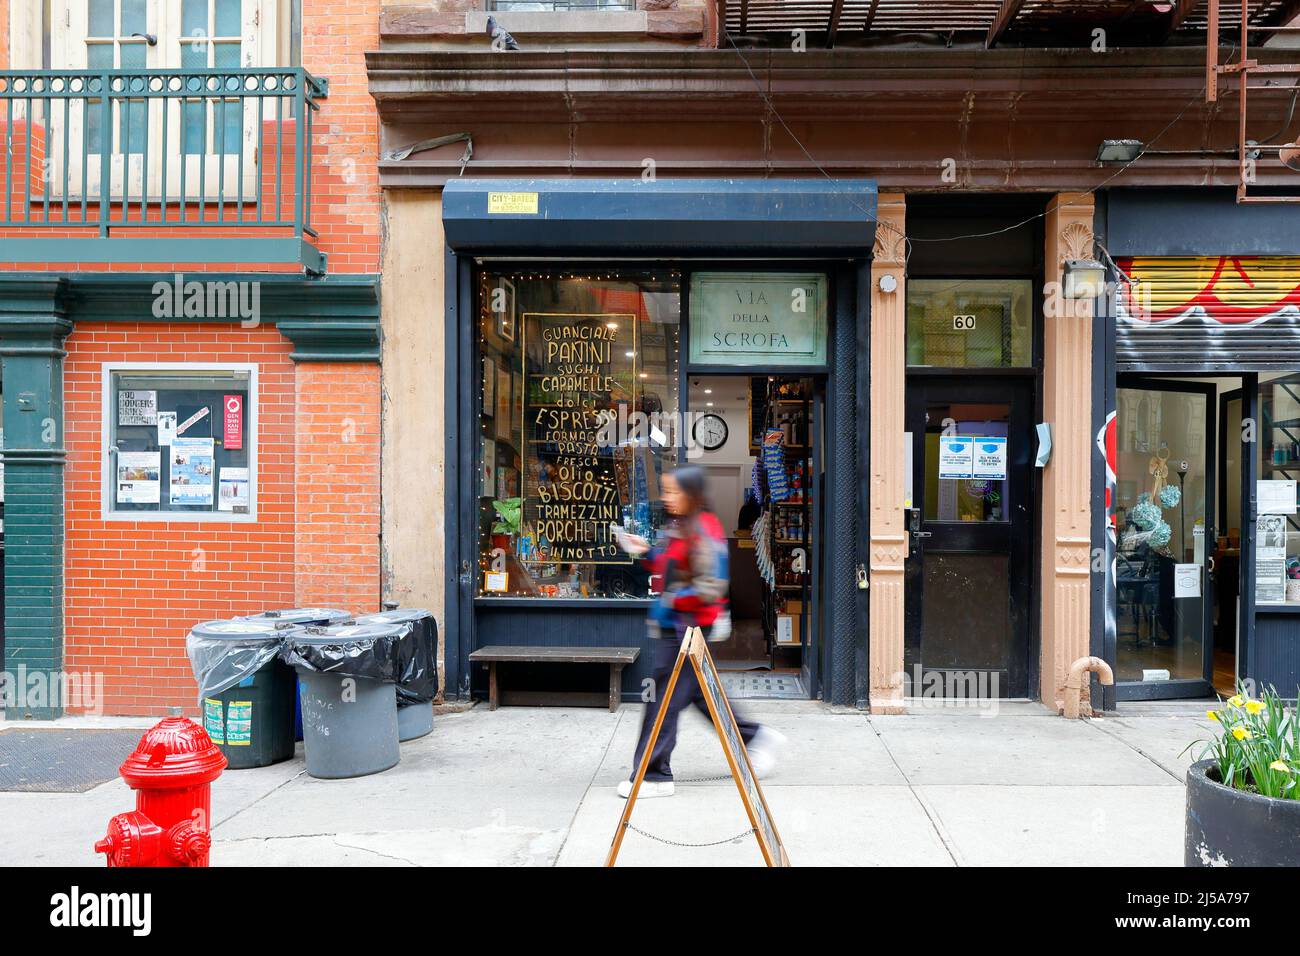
(710, 431)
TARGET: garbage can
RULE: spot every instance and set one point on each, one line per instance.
(245, 691)
(418, 684)
(349, 707)
(306, 616)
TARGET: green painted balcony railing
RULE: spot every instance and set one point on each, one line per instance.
(158, 166)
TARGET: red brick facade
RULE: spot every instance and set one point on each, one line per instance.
(133, 589)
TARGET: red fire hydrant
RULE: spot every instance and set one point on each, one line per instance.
(171, 771)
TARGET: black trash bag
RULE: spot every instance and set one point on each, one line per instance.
(382, 652)
(223, 653)
(419, 682)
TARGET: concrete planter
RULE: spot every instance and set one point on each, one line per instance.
(1229, 827)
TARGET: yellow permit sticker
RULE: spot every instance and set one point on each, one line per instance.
(525, 203)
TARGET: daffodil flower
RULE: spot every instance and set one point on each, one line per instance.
(1212, 714)
(1237, 700)
(1254, 707)
(1241, 733)
(1279, 765)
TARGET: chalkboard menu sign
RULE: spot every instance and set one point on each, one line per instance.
(695, 649)
(580, 368)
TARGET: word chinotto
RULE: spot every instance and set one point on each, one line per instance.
(36, 688)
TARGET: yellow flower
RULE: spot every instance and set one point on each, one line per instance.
(1241, 733)
(1254, 706)
(1279, 765)
(1236, 701)
(1212, 714)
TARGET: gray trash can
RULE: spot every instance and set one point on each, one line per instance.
(349, 720)
(418, 687)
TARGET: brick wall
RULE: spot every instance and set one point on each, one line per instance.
(345, 188)
(337, 496)
(134, 588)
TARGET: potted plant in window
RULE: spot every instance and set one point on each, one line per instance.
(1243, 795)
(506, 526)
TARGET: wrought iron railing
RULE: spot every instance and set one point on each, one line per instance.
(90, 154)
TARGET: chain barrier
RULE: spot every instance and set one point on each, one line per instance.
(658, 839)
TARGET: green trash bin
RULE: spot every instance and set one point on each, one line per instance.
(250, 721)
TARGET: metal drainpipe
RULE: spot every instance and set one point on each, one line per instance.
(1076, 685)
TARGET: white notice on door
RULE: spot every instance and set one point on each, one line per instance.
(956, 457)
(1187, 580)
(990, 458)
(1275, 497)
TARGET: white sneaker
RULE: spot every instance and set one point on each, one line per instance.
(763, 750)
(649, 789)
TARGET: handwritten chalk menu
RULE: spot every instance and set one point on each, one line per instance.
(579, 369)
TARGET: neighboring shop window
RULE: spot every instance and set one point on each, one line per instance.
(578, 381)
(181, 442)
(1277, 528)
(970, 323)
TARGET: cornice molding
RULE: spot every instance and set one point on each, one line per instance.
(328, 319)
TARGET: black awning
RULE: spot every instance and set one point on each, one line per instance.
(776, 217)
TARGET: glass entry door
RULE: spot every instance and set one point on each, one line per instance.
(1164, 523)
(970, 530)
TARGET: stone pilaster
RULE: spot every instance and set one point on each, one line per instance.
(1067, 405)
(888, 534)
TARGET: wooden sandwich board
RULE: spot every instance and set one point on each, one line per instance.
(696, 649)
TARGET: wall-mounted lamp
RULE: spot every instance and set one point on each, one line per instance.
(1084, 279)
(1119, 150)
(1290, 155)
(888, 283)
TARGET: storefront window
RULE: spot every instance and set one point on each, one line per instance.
(1277, 528)
(181, 442)
(578, 421)
(970, 323)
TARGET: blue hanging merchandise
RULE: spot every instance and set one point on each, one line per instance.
(774, 464)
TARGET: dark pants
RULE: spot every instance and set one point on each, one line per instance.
(687, 692)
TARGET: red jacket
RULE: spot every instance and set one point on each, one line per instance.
(693, 565)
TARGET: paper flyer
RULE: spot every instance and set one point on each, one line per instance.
(166, 428)
(191, 471)
(1270, 560)
(138, 480)
(990, 456)
(233, 492)
(137, 408)
(1276, 497)
(956, 457)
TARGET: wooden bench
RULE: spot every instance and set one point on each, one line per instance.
(615, 657)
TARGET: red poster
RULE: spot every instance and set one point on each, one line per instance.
(234, 418)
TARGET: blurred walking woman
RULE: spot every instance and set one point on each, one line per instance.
(692, 563)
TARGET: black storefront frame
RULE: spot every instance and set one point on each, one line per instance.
(841, 625)
(1191, 222)
(1192, 689)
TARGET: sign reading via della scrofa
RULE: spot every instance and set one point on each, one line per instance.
(758, 318)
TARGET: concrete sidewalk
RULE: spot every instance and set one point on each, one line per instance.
(536, 787)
